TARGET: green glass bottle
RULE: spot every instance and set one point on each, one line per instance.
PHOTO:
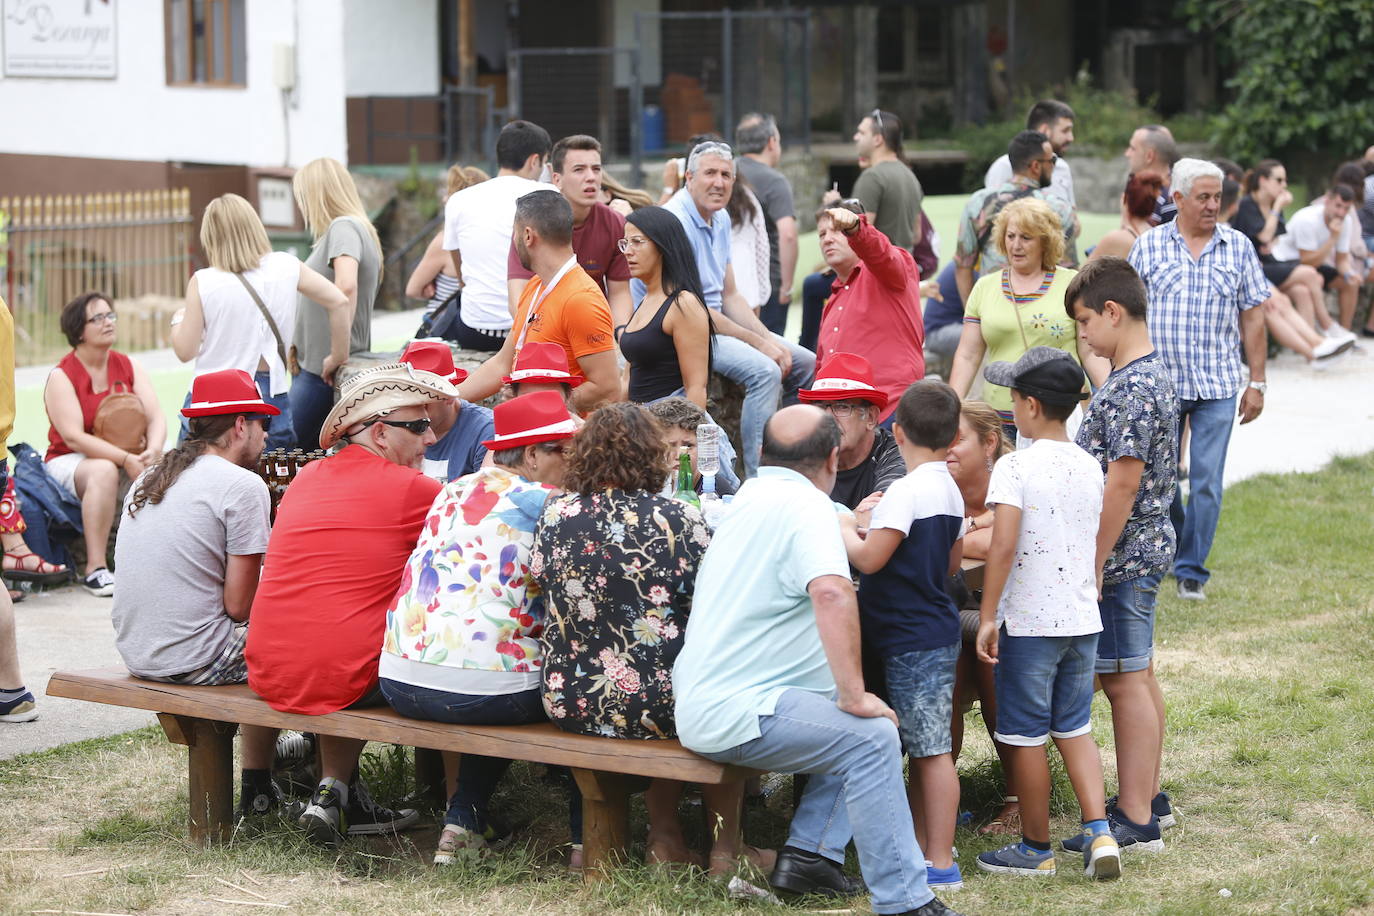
(686, 489)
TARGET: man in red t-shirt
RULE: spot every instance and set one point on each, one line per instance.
(343, 534)
(576, 170)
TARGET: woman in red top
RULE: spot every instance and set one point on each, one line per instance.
(85, 465)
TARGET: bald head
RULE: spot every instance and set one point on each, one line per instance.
(804, 439)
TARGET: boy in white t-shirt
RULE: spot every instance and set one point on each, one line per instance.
(1040, 592)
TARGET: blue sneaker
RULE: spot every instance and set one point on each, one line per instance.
(1101, 856)
(1159, 807)
(22, 708)
(944, 879)
(1129, 836)
(1011, 860)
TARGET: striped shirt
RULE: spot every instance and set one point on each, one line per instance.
(1195, 306)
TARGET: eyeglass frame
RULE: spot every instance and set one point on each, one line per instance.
(110, 317)
(840, 409)
(625, 244)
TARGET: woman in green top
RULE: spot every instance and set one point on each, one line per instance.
(1020, 306)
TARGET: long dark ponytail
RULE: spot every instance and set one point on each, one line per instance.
(153, 486)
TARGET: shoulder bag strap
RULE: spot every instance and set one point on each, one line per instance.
(271, 322)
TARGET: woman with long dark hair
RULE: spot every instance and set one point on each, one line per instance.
(667, 340)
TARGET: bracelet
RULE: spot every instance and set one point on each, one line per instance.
(125, 460)
(972, 523)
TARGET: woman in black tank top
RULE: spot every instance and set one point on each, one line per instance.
(667, 340)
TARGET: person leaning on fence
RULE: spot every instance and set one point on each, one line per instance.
(189, 554)
(344, 531)
(81, 462)
(348, 253)
(241, 310)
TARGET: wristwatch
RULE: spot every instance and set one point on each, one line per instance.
(1261, 387)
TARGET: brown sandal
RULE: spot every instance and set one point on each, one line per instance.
(25, 569)
(1008, 823)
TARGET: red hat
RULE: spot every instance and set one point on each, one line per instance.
(540, 416)
(227, 391)
(436, 357)
(844, 376)
(542, 363)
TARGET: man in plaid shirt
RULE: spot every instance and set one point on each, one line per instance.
(1204, 283)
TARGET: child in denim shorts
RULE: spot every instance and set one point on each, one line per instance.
(1040, 620)
(1131, 428)
(911, 545)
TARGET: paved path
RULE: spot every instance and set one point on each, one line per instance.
(1309, 418)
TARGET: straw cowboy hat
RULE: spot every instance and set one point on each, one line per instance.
(432, 356)
(844, 376)
(540, 416)
(228, 391)
(541, 362)
(380, 390)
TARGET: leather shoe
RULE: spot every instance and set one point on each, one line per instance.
(802, 872)
(935, 907)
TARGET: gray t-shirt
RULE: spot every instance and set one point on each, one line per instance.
(775, 193)
(345, 236)
(892, 196)
(171, 557)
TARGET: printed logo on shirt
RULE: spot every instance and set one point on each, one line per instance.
(597, 338)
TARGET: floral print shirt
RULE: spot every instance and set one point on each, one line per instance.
(1135, 415)
(466, 598)
(618, 569)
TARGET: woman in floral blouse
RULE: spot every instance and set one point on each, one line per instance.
(617, 563)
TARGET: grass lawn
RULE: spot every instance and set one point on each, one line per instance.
(1269, 760)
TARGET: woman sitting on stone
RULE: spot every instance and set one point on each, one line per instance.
(618, 565)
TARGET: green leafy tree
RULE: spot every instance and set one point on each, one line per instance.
(1303, 83)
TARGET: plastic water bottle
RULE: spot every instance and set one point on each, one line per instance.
(708, 456)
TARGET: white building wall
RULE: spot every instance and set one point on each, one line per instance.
(391, 48)
(138, 116)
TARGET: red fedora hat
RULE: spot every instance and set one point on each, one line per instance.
(541, 362)
(432, 356)
(844, 376)
(540, 416)
(227, 391)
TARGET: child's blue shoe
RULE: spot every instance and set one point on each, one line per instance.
(944, 879)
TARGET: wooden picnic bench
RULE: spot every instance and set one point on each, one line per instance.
(204, 719)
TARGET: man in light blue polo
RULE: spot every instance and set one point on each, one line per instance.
(769, 675)
(745, 351)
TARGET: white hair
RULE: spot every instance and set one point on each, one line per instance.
(1187, 171)
(709, 148)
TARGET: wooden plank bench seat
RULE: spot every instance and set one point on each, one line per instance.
(204, 719)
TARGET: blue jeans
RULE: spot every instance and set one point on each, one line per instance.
(855, 792)
(763, 385)
(773, 314)
(280, 432)
(311, 400)
(477, 776)
(815, 290)
(1211, 423)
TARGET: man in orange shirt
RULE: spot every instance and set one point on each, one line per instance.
(566, 307)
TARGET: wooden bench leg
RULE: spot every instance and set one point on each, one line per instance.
(605, 819)
(210, 747)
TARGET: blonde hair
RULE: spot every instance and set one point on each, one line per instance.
(1037, 220)
(634, 197)
(231, 234)
(324, 192)
(986, 423)
(463, 176)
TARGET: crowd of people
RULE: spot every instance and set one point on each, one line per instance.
(529, 561)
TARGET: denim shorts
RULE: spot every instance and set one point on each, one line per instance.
(1127, 640)
(920, 687)
(1044, 687)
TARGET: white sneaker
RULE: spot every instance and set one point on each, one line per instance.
(100, 583)
(1332, 346)
(1336, 332)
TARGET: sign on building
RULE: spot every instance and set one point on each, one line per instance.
(60, 38)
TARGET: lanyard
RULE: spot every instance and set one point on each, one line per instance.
(539, 300)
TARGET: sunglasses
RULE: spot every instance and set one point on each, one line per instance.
(877, 117)
(853, 204)
(418, 427)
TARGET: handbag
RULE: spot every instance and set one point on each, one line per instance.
(292, 366)
(120, 419)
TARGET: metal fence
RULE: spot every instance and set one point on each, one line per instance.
(134, 246)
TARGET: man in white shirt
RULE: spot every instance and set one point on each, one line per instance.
(1320, 235)
(477, 233)
(1055, 120)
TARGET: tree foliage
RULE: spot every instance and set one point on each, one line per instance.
(1304, 75)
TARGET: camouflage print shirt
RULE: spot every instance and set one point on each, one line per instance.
(982, 209)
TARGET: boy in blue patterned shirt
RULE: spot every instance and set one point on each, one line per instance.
(1131, 428)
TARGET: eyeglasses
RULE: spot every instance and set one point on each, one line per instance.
(418, 427)
(103, 318)
(625, 245)
(840, 409)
